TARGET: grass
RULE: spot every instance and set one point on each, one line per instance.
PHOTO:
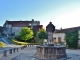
(18, 42)
(22, 43)
(1, 44)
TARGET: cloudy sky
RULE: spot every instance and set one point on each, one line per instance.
(62, 13)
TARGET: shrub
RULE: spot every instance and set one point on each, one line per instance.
(18, 42)
(72, 39)
(62, 43)
(1, 44)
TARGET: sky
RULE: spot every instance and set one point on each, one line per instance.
(62, 13)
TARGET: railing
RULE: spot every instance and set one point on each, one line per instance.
(14, 50)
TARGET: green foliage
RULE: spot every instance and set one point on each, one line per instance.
(62, 43)
(1, 44)
(25, 34)
(18, 42)
(42, 34)
(38, 41)
(72, 39)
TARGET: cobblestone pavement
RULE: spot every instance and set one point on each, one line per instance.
(21, 55)
(29, 54)
(25, 56)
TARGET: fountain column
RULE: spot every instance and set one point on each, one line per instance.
(50, 28)
(50, 51)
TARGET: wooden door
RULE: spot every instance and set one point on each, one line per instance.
(59, 39)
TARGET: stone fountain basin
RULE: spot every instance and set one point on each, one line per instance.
(45, 51)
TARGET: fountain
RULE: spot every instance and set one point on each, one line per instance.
(50, 51)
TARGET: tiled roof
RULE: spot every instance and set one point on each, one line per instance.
(20, 23)
(67, 29)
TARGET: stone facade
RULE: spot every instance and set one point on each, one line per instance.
(14, 27)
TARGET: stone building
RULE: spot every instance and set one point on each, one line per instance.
(2, 29)
(14, 27)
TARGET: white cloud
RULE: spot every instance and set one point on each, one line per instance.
(69, 19)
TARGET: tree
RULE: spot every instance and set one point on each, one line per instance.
(72, 39)
(42, 34)
(25, 34)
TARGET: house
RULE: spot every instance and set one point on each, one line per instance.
(2, 29)
(14, 27)
(59, 35)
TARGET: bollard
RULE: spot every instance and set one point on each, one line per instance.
(17, 49)
(27, 45)
(4, 53)
(14, 49)
(24, 47)
(10, 51)
(30, 45)
(21, 48)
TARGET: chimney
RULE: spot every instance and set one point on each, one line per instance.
(20, 21)
(32, 20)
(7, 20)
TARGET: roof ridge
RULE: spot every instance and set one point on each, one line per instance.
(72, 27)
